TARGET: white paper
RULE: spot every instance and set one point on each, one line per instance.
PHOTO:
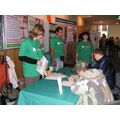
(67, 83)
(59, 80)
(55, 76)
(41, 69)
(59, 64)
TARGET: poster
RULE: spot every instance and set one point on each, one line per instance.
(32, 21)
(15, 30)
(95, 36)
(46, 36)
(1, 33)
(70, 31)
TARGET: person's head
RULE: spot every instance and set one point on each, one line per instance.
(98, 54)
(85, 35)
(38, 32)
(80, 67)
(59, 31)
(117, 38)
(103, 35)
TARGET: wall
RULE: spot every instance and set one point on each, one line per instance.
(93, 28)
(67, 17)
(114, 30)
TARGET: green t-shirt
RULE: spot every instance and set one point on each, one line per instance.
(31, 49)
(57, 44)
(84, 50)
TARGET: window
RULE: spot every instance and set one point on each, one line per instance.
(103, 29)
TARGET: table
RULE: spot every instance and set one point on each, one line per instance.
(46, 92)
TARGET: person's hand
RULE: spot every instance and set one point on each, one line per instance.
(70, 79)
(39, 63)
(54, 63)
(65, 61)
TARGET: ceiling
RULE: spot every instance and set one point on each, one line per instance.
(101, 19)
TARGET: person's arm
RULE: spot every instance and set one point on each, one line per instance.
(77, 49)
(92, 54)
(65, 53)
(52, 55)
(76, 56)
(28, 60)
(104, 65)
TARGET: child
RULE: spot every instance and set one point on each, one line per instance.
(90, 85)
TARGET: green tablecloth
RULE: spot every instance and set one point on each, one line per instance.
(46, 92)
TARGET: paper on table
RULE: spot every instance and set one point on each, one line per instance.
(55, 76)
(41, 69)
(67, 83)
(59, 80)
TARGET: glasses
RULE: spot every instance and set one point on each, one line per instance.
(38, 34)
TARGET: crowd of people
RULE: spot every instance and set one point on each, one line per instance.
(110, 46)
(95, 71)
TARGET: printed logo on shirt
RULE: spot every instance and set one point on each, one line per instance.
(85, 46)
(59, 43)
(34, 49)
(41, 49)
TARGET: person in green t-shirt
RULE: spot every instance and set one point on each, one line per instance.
(57, 49)
(31, 51)
(84, 49)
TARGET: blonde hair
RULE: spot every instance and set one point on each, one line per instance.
(37, 28)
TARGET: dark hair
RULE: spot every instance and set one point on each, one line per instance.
(99, 51)
(58, 29)
(80, 37)
(86, 33)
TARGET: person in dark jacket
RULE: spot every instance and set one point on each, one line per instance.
(102, 63)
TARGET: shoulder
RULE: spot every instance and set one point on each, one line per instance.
(90, 43)
(54, 38)
(26, 40)
(92, 73)
(80, 43)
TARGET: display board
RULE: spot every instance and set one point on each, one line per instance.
(32, 21)
(69, 29)
(17, 27)
(71, 33)
(1, 33)
(95, 36)
(46, 36)
(15, 30)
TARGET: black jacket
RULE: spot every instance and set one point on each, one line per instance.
(106, 66)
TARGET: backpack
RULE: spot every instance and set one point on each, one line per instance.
(9, 93)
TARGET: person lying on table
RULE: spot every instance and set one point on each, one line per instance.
(90, 85)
